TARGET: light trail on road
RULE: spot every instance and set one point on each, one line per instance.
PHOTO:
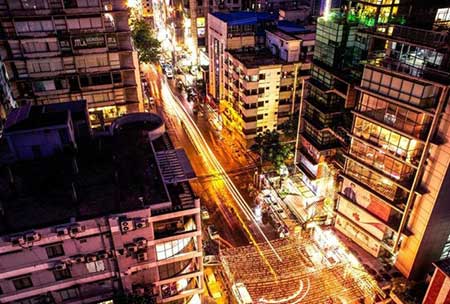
(205, 151)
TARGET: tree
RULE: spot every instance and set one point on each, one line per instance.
(270, 148)
(290, 126)
(148, 47)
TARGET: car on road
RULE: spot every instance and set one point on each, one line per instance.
(212, 232)
(169, 73)
(204, 213)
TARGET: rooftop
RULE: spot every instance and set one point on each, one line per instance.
(444, 265)
(253, 58)
(291, 27)
(245, 18)
(109, 174)
(33, 117)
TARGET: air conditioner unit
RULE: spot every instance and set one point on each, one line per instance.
(78, 259)
(126, 226)
(61, 231)
(103, 255)
(140, 223)
(17, 240)
(91, 258)
(142, 256)
(60, 266)
(75, 229)
(131, 248)
(32, 237)
(141, 243)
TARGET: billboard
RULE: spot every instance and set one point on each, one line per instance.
(360, 237)
(362, 218)
(365, 199)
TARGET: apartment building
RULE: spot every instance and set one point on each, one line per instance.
(7, 102)
(56, 51)
(393, 197)
(116, 215)
(231, 31)
(262, 87)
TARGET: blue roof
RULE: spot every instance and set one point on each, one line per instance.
(245, 18)
(290, 27)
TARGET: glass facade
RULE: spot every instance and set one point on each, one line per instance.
(403, 119)
(406, 148)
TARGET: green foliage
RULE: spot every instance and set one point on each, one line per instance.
(270, 148)
(289, 127)
(149, 48)
(133, 299)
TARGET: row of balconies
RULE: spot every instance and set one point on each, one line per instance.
(59, 7)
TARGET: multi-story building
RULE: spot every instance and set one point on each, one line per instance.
(7, 102)
(57, 51)
(375, 112)
(231, 31)
(393, 197)
(115, 215)
(262, 87)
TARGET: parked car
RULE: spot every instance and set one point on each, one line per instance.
(213, 233)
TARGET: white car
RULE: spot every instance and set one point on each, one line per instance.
(169, 73)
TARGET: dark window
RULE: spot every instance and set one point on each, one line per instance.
(62, 274)
(69, 293)
(1, 291)
(261, 91)
(22, 283)
(55, 251)
(262, 76)
(117, 77)
(261, 104)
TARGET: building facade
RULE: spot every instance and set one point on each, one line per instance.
(103, 227)
(56, 51)
(370, 131)
(396, 170)
(262, 88)
(230, 31)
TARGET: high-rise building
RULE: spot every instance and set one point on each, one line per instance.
(231, 31)
(57, 51)
(262, 87)
(374, 119)
(116, 214)
(393, 198)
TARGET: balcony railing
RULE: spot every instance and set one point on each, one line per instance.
(427, 72)
(416, 36)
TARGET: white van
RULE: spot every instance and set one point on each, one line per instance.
(241, 294)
